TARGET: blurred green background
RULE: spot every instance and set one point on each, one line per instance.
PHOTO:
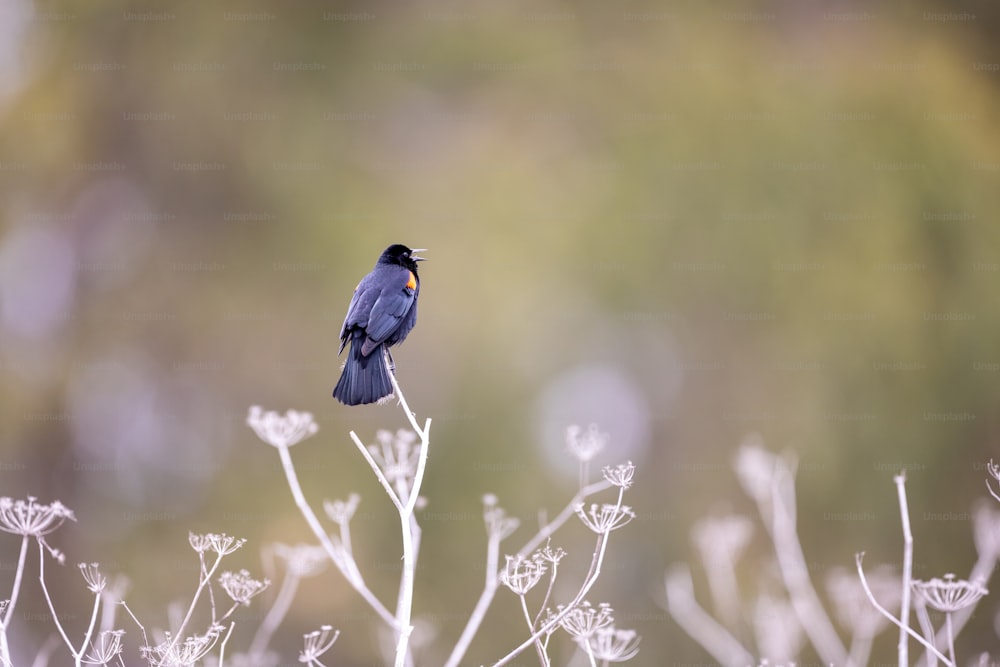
(685, 222)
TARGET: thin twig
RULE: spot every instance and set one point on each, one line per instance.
(382, 479)
(885, 612)
(345, 542)
(410, 532)
(142, 628)
(928, 629)
(550, 528)
(280, 606)
(595, 571)
(422, 432)
(211, 592)
(48, 599)
(110, 597)
(531, 628)
(904, 609)
(492, 558)
(485, 598)
(15, 590)
(992, 492)
(951, 636)
(90, 627)
(300, 500)
(697, 623)
(795, 572)
(204, 578)
(589, 581)
(548, 591)
(222, 648)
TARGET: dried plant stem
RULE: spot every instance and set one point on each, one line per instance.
(279, 608)
(345, 541)
(595, 571)
(108, 609)
(142, 628)
(992, 492)
(382, 479)
(951, 636)
(697, 623)
(588, 583)
(406, 584)
(77, 654)
(211, 593)
(317, 528)
(780, 523)
(15, 591)
(723, 586)
(904, 609)
(405, 502)
(982, 570)
(928, 629)
(485, 598)
(423, 434)
(492, 560)
(204, 579)
(222, 647)
(542, 657)
(410, 531)
(548, 592)
(48, 598)
(546, 531)
(404, 607)
(885, 612)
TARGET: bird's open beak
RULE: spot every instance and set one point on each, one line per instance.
(413, 254)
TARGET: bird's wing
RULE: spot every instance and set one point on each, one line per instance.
(392, 304)
(357, 312)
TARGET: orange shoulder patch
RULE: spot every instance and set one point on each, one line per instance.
(412, 282)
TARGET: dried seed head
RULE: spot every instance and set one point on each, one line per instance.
(31, 518)
(949, 594)
(281, 431)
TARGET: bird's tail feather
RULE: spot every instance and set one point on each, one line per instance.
(365, 379)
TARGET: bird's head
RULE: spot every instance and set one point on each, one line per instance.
(403, 256)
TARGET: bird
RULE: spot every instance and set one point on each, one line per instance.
(381, 314)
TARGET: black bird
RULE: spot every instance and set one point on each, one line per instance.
(382, 312)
